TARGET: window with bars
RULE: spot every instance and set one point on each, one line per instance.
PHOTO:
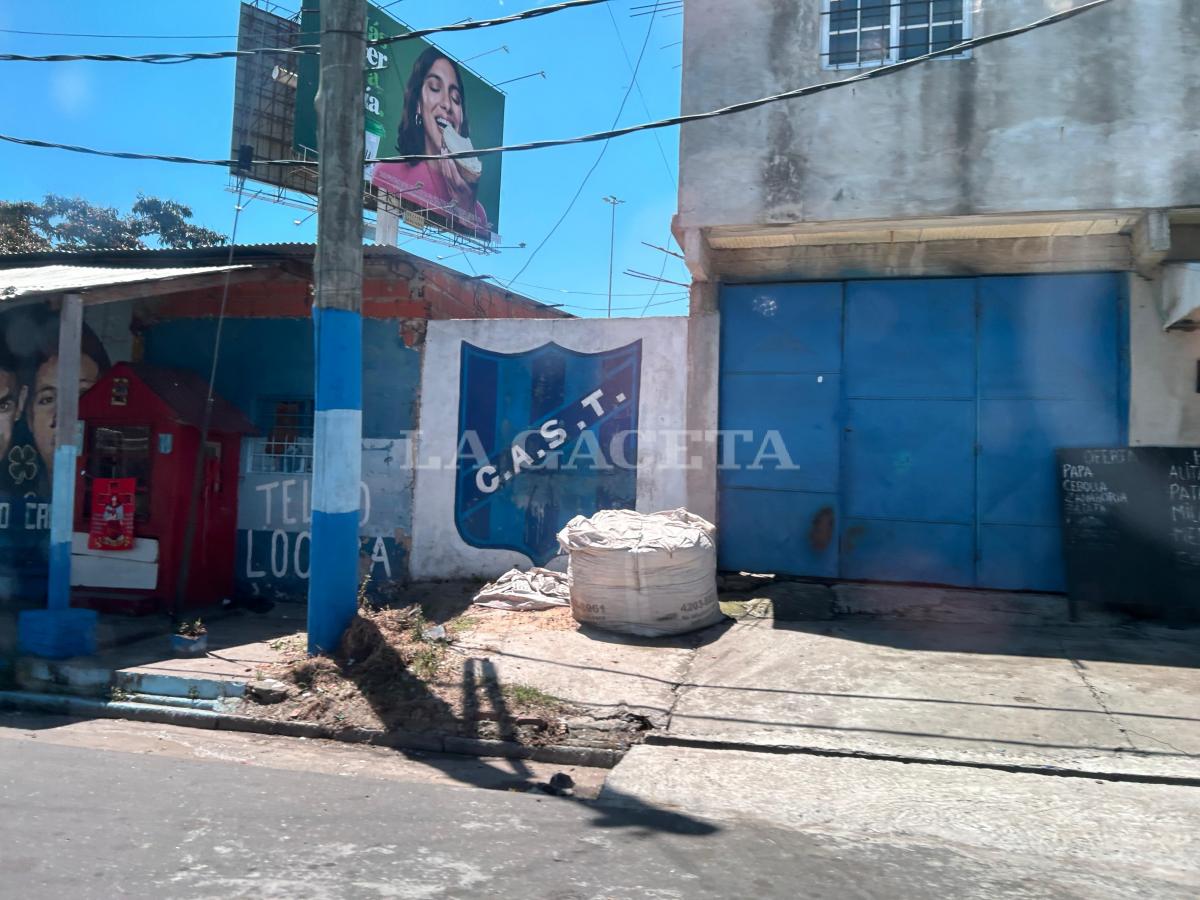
(858, 33)
(286, 444)
(121, 451)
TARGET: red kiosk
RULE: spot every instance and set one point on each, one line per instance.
(143, 423)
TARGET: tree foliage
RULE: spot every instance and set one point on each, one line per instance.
(71, 223)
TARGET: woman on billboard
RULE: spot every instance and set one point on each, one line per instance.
(434, 123)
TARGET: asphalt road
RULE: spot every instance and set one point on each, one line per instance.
(83, 820)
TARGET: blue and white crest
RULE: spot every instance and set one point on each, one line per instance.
(543, 436)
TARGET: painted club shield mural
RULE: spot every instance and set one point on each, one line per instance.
(543, 436)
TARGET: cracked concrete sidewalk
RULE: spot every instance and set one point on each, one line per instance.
(943, 675)
(975, 678)
(1117, 701)
(972, 678)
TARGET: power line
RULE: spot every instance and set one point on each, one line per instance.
(747, 105)
(542, 287)
(119, 154)
(655, 8)
(158, 59)
(744, 106)
(641, 96)
(471, 25)
(600, 309)
(654, 134)
(162, 59)
(595, 164)
(148, 37)
(657, 279)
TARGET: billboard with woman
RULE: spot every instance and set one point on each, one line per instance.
(419, 100)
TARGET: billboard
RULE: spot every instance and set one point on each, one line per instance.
(264, 100)
(418, 100)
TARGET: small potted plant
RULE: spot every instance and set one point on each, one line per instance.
(190, 638)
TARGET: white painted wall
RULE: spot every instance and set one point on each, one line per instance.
(1164, 404)
(1099, 112)
(112, 323)
(437, 549)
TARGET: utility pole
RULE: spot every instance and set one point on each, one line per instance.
(59, 631)
(612, 201)
(337, 326)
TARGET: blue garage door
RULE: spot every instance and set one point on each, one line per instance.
(919, 419)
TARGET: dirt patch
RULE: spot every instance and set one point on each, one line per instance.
(398, 670)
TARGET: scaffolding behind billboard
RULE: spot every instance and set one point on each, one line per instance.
(264, 118)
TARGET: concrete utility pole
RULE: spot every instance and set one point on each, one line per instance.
(59, 631)
(66, 419)
(612, 239)
(337, 326)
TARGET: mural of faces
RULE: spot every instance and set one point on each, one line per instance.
(29, 394)
(12, 405)
(43, 411)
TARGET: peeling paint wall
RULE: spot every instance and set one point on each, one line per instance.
(534, 383)
(1164, 370)
(1095, 113)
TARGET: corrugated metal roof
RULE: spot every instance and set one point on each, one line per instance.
(149, 264)
(36, 280)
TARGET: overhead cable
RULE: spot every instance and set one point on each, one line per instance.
(616, 132)
(595, 163)
(600, 309)
(118, 154)
(158, 59)
(162, 59)
(554, 290)
(654, 134)
(146, 37)
(748, 105)
(472, 24)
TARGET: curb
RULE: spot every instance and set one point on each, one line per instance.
(67, 705)
(665, 740)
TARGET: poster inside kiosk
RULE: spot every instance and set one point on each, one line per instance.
(112, 514)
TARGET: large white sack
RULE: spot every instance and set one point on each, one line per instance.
(641, 574)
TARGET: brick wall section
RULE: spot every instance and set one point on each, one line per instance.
(432, 294)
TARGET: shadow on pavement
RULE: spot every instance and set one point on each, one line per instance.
(394, 699)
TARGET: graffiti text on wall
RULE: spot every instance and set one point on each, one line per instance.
(280, 553)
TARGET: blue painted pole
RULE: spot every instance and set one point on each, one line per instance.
(337, 472)
(58, 631)
(337, 326)
(66, 418)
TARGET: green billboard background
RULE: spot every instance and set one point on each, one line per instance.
(383, 95)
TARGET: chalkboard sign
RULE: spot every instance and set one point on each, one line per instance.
(1131, 529)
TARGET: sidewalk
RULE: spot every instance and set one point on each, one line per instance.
(801, 675)
(140, 662)
(1105, 700)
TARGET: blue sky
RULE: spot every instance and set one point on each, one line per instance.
(187, 110)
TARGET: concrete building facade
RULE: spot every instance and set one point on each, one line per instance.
(1008, 237)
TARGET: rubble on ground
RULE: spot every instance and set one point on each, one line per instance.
(396, 671)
